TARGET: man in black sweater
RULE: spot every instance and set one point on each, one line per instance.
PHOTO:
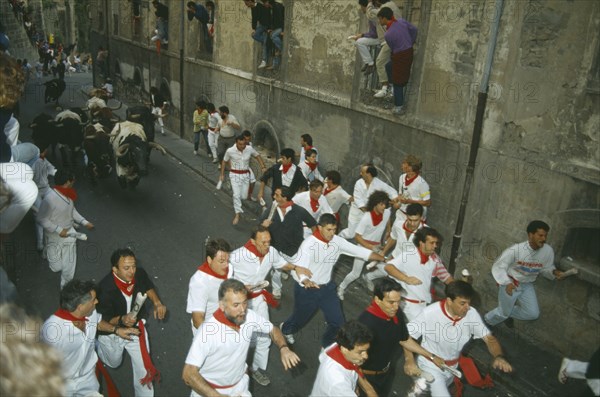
(286, 174)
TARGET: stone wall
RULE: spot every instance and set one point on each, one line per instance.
(20, 46)
(539, 153)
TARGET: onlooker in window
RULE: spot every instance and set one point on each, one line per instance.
(260, 23)
(363, 41)
(136, 9)
(162, 22)
(400, 36)
(210, 7)
(198, 11)
(276, 21)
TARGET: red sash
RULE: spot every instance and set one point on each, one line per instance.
(151, 372)
(269, 298)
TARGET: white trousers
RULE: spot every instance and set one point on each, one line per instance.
(213, 140)
(62, 256)
(239, 187)
(442, 379)
(382, 59)
(260, 340)
(378, 272)
(276, 274)
(158, 112)
(362, 45)
(354, 273)
(110, 351)
(354, 217)
(83, 386)
(412, 310)
(240, 389)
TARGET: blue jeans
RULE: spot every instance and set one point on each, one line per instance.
(260, 35)
(197, 139)
(398, 89)
(527, 308)
(306, 303)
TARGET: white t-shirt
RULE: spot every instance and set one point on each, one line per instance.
(203, 292)
(417, 190)
(523, 263)
(362, 192)
(370, 232)
(333, 379)
(240, 160)
(249, 268)
(403, 242)
(336, 198)
(303, 200)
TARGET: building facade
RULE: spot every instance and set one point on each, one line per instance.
(539, 154)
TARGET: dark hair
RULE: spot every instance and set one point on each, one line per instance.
(422, 233)
(191, 4)
(385, 285)
(315, 184)
(154, 90)
(285, 192)
(233, 285)
(224, 109)
(246, 133)
(288, 153)
(310, 152)
(414, 209)
(327, 219)
(210, 4)
(386, 13)
(363, 3)
(378, 196)
(258, 229)
(413, 162)
(63, 176)
(307, 138)
(120, 253)
(201, 104)
(353, 333)
(240, 137)
(210, 107)
(459, 288)
(75, 293)
(371, 170)
(531, 228)
(216, 245)
(334, 177)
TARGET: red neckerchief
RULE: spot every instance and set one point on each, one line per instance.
(66, 191)
(336, 355)
(443, 306)
(375, 310)
(220, 317)
(151, 372)
(319, 236)
(424, 258)
(314, 204)
(66, 315)
(284, 207)
(390, 23)
(206, 269)
(376, 218)
(124, 286)
(252, 248)
(311, 165)
(407, 230)
(408, 181)
(285, 168)
(327, 191)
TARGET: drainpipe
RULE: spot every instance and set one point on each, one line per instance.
(181, 60)
(476, 137)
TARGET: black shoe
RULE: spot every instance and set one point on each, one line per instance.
(509, 322)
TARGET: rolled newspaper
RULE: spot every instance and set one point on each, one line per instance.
(137, 304)
(273, 209)
(453, 371)
(77, 235)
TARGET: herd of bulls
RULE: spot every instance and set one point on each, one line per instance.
(97, 138)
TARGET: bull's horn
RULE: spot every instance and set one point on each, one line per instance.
(115, 120)
(122, 150)
(118, 107)
(156, 146)
(90, 137)
(59, 124)
(85, 108)
(32, 125)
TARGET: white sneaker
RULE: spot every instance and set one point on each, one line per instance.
(340, 293)
(289, 338)
(398, 110)
(262, 65)
(215, 160)
(261, 378)
(195, 152)
(382, 92)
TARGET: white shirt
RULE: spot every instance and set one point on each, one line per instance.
(288, 177)
(443, 336)
(320, 257)
(41, 169)
(303, 154)
(409, 263)
(240, 160)
(523, 263)
(220, 351)
(213, 120)
(370, 232)
(333, 379)
(362, 192)
(336, 198)
(203, 292)
(303, 200)
(249, 268)
(226, 130)
(309, 174)
(77, 348)
(398, 233)
(58, 212)
(417, 190)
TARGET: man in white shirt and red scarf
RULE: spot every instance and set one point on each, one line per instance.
(117, 296)
(310, 166)
(319, 253)
(369, 232)
(335, 194)
(72, 331)
(238, 156)
(340, 363)
(203, 291)
(412, 188)
(58, 216)
(446, 326)
(313, 202)
(216, 362)
(251, 265)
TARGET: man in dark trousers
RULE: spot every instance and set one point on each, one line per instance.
(119, 297)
